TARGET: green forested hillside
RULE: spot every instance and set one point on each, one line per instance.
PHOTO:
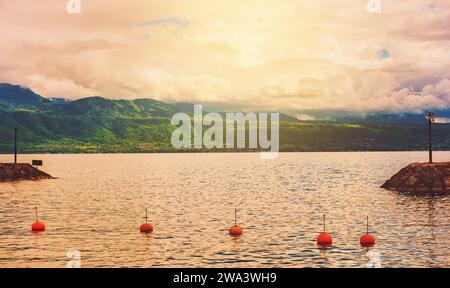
(96, 124)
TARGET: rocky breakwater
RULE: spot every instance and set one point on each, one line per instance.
(421, 178)
(20, 171)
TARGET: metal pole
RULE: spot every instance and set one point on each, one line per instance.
(430, 147)
(15, 145)
(367, 225)
(324, 228)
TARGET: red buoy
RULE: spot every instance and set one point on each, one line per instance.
(236, 230)
(367, 240)
(146, 227)
(324, 239)
(37, 226)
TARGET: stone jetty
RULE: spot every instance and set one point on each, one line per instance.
(21, 171)
(421, 178)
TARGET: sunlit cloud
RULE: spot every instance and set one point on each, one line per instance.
(166, 21)
(292, 56)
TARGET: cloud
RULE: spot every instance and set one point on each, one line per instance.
(292, 56)
(167, 21)
(442, 120)
(365, 92)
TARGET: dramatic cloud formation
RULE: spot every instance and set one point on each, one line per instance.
(291, 56)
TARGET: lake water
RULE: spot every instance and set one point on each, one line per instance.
(97, 205)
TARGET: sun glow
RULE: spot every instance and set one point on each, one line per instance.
(290, 56)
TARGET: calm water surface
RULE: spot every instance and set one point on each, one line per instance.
(97, 203)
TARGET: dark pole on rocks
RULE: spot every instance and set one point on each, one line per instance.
(15, 145)
(430, 117)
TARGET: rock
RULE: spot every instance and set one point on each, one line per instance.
(421, 178)
(20, 171)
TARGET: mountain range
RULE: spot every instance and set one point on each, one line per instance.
(100, 125)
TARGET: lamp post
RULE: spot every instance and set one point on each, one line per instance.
(431, 118)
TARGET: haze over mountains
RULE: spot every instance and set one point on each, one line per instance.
(15, 97)
(96, 124)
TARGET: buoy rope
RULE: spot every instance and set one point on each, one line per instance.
(324, 227)
(367, 225)
(36, 214)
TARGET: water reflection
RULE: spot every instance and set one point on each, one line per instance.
(97, 200)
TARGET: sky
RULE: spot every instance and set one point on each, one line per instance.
(292, 56)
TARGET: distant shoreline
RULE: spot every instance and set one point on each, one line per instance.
(218, 152)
